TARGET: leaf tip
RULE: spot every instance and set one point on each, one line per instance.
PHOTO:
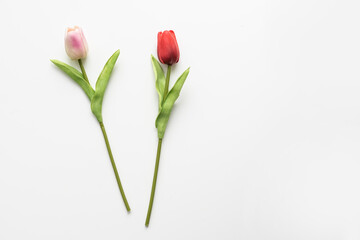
(153, 58)
(116, 54)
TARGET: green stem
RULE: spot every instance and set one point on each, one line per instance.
(154, 183)
(114, 167)
(167, 80)
(166, 90)
(83, 70)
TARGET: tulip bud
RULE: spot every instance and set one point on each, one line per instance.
(75, 43)
(168, 49)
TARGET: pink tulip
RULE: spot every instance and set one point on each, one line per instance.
(75, 43)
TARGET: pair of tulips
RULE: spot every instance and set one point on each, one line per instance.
(77, 48)
(168, 53)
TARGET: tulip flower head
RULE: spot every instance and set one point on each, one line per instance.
(75, 43)
(167, 48)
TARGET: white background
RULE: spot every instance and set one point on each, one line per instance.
(263, 142)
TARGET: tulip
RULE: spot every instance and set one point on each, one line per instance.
(76, 48)
(75, 43)
(168, 53)
(168, 49)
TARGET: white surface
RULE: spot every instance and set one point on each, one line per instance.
(263, 142)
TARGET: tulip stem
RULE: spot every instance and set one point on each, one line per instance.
(154, 183)
(114, 167)
(166, 89)
(83, 70)
(167, 80)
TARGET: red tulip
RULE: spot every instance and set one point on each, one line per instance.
(168, 49)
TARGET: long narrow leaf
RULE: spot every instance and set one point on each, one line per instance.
(76, 76)
(101, 84)
(159, 79)
(163, 117)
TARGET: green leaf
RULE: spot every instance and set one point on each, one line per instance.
(76, 76)
(163, 117)
(101, 84)
(159, 79)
